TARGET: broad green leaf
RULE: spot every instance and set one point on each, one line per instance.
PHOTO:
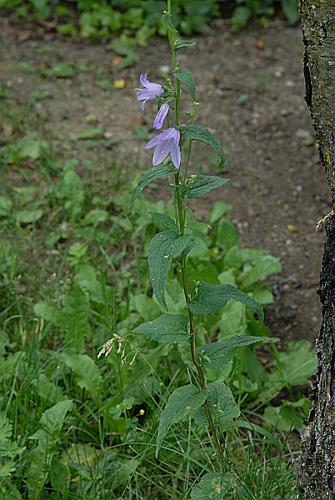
(296, 365)
(76, 312)
(213, 486)
(210, 298)
(219, 353)
(180, 44)
(5, 206)
(185, 77)
(226, 235)
(47, 390)
(219, 209)
(52, 419)
(288, 416)
(165, 329)
(164, 247)
(149, 176)
(49, 312)
(48, 436)
(59, 475)
(146, 307)
(202, 134)
(240, 17)
(85, 371)
(222, 404)
(164, 222)
(198, 185)
(180, 404)
(261, 267)
(291, 11)
(29, 216)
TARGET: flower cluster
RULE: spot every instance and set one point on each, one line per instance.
(167, 143)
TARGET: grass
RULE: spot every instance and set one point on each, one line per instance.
(73, 274)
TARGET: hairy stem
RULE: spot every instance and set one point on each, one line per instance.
(181, 215)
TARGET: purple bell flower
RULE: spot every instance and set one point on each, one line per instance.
(161, 115)
(166, 143)
(150, 90)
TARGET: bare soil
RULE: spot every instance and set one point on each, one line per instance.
(251, 93)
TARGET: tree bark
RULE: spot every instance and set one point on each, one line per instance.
(317, 462)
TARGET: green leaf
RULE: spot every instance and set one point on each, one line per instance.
(258, 269)
(52, 419)
(88, 133)
(290, 8)
(210, 298)
(180, 44)
(296, 365)
(61, 70)
(29, 216)
(222, 404)
(48, 435)
(219, 353)
(49, 312)
(146, 307)
(185, 77)
(5, 206)
(202, 134)
(180, 404)
(213, 486)
(164, 247)
(149, 176)
(226, 234)
(164, 222)
(240, 17)
(219, 209)
(166, 329)
(47, 390)
(76, 312)
(198, 185)
(85, 371)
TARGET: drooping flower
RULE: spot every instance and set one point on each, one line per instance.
(161, 115)
(149, 91)
(166, 143)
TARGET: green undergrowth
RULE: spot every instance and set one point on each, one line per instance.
(137, 20)
(74, 278)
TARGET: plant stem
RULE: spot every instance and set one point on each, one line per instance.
(181, 215)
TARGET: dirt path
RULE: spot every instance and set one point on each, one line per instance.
(251, 92)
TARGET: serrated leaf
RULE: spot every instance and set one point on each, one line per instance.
(222, 405)
(149, 176)
(165, 329)
(180, 44)
(210, 298)
(185, 77)
(76, 312)
(198, 185)
(202, 134)
(261, 267)
(164, 222)
(164, 247)
(180, 404)
(217, 354)
(85, 371)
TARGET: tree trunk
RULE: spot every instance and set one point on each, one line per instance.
(317, 463)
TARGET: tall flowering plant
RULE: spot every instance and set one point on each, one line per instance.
(204, 401)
